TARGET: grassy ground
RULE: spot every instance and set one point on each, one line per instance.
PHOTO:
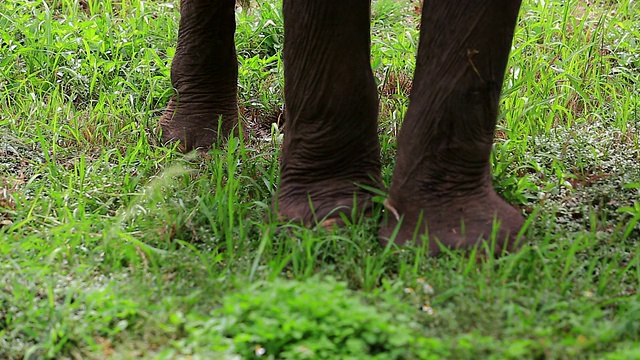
(112, 246)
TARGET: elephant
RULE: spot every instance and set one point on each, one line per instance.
(330, 160)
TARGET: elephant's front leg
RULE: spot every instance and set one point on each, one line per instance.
(331, 144)
(442, 181)
(204, 74)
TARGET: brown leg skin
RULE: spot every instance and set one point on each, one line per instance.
(204, 74)
(330, 136)
(442, 181)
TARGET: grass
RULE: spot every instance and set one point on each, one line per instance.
(114, 246)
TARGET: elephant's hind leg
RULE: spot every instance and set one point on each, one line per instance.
(204, 75)
(442, 182)
(331, 145)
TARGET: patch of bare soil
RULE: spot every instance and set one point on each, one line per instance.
(259, 121)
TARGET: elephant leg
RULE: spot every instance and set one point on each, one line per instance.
(330, 144)
(442, 181)
(204, 75)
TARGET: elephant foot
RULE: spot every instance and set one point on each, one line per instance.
(194, 127)
(324, 204)
(456, 222)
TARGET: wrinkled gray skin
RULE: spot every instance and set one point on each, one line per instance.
(442, 182)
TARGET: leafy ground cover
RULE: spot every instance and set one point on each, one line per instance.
(114, 246)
